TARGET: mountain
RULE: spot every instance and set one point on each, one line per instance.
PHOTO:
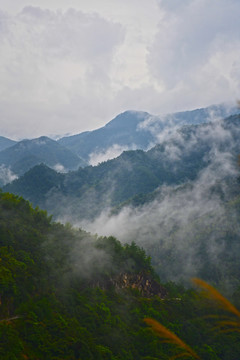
(121, 131)
(178, 200)
(6, 143)
(37, 182)
(28, 153)
(85, 193)
(136, 130)
(67, 294)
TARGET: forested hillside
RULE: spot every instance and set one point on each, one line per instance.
(66, 294)
(119, 180)
(179, 201)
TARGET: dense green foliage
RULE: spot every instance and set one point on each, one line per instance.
(58, 300)
(180, 197)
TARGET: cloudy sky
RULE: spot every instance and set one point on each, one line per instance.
(67, 66)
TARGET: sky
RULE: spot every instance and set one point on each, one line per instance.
(68, 66)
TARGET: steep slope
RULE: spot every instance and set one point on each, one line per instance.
(179, 201)
(123, 131)
(180, 158)
(38, 182)
(66, 294)
(88, 191)
(28, 153)
(137, 130)
(55, 297)
(6, 143)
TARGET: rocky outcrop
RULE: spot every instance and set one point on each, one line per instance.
(143, 282)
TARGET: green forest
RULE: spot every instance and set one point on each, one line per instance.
(67, 294)
(119, 180)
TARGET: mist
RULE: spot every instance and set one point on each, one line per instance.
(60, 168)
(183, 228)
(112, 152)
(6, 175)
(184, 214)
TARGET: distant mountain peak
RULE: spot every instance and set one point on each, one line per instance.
(6, 143)
(28, 153)
(127, 118)
(134, 129)
(42, 140)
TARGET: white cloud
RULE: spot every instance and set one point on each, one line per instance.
(112, 152)
(196, 51)
(47, 60)
(72, 34)
(170, 223)
(59, 168)
(6, 175)
(71, 66)
(174, 221)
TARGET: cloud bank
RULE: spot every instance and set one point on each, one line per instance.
(70, 66)
(184, 227)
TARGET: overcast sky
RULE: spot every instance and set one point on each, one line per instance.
(67, 66)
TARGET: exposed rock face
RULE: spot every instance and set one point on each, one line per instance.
(143, 282)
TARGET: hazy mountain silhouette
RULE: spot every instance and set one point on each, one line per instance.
(27, 153)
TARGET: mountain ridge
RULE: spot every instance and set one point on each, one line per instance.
(138, 130)
(27, 153)
(67, 294)
(6, 143)
(173, 162)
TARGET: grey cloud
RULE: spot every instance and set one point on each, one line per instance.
(34, 13)
(72, 34)
(173, 5)
(3, 24)
(85, 258)
(170, 225)
(55, 66)
(188, 38)
(68, 71)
